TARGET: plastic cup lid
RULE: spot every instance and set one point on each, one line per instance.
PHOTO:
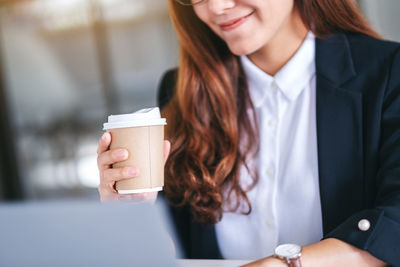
(143, 117)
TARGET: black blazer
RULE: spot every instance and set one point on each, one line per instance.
(358, 133)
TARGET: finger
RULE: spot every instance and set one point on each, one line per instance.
(140, 197)
(132, 197)
(107, 193)
(110, 176)
(107, 158)
(167, 148)
(104, 143)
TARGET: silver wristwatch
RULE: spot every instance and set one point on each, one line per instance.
(290, 253)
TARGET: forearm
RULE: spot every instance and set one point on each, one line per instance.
(328, 252)
(334, 252)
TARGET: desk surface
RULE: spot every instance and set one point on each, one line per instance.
(211, 263)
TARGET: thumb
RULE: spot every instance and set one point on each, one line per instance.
(167, 148)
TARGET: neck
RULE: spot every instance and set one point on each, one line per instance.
(281, 48)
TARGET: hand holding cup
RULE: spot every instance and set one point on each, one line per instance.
(131, 158)
(109, 176)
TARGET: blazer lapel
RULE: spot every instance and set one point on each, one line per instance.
(339, 130)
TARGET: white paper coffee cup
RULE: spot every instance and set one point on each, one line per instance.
(142, 134)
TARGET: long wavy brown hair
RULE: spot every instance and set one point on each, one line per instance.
(210, 117)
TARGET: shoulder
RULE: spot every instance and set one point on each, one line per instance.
(376, 56)
(166, 87)
(360, 46)
(366, 41)
(370, 47)
(357, 56)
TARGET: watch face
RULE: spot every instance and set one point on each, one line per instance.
(288, 250)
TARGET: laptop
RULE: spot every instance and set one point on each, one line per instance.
(84, 234)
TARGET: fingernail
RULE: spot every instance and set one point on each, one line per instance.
(121, 154)
(104, 137)
(132, 172)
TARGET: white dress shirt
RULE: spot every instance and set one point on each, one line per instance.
(286, 201)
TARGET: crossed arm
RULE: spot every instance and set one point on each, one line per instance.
(328, 252)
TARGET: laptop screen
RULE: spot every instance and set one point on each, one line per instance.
(84, 234)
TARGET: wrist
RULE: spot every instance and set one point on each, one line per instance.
(289, 254)
(276, 262)
(270, 261)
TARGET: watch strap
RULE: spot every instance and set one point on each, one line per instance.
(295, 262)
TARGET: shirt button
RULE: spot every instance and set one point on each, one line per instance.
(271, 122)
(268, 223)
(274, 85)
(364, 225)
(270, 172)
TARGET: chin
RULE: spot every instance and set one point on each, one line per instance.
(241, 50)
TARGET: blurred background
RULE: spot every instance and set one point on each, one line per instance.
(67, 64)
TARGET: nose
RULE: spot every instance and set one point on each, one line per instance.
(218, 7)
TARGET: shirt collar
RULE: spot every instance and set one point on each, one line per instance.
(290, 80)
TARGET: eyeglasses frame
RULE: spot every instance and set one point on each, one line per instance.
(192, 4)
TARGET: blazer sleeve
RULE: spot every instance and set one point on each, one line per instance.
(382, 239)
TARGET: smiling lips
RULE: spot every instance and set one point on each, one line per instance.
(233, 24)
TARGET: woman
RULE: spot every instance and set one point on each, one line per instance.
(284, 120)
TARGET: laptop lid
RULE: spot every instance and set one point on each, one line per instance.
(83, 234)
